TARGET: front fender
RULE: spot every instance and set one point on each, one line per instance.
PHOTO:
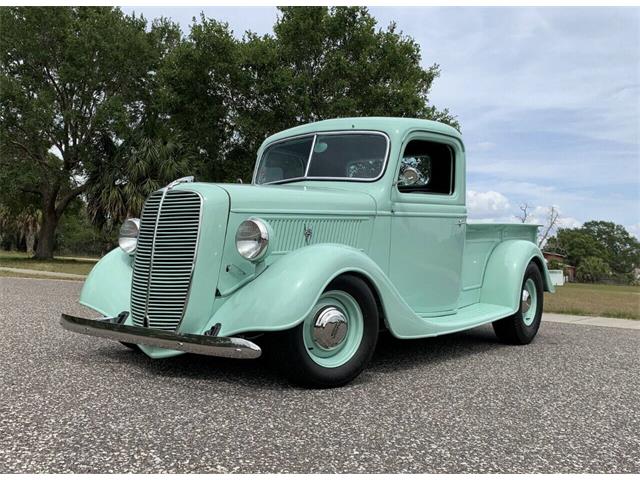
(505, 271)
(107, 288)
(284, 294)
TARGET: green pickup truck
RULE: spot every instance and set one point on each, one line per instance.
(350, 227)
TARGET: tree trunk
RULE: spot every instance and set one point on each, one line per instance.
(47, 233)
(52, 210)
(30, 239)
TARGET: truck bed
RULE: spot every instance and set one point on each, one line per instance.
(480, 241)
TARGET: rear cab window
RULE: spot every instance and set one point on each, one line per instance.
(427, 167)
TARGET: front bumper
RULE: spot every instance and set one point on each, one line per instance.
(113, 328)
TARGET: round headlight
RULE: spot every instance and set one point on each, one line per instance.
(252, 239)
(128, 238)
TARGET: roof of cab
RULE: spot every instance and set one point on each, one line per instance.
(392, 126)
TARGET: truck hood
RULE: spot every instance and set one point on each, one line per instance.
(256, 199)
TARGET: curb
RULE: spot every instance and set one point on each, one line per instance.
(593, 321)
(44, 273)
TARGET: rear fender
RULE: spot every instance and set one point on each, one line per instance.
(505, 271)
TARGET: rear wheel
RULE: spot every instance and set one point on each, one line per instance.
(336, 340)
(521, 327)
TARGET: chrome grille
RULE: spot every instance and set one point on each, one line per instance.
(164, 258)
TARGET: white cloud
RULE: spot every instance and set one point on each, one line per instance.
(555, 90)
(569, 222)
(487, 204)
(634, 230)
(506, 60)
(540, 215)
(494, 207)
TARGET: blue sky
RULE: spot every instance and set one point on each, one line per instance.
(548, 100)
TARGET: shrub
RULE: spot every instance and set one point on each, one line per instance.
(592, 269)
(555, 265)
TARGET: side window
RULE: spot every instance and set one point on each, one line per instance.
(427, 167)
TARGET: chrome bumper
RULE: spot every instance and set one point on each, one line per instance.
(113, 329)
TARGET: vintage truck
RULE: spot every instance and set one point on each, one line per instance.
(350, 227)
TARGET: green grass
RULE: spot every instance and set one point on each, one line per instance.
(572, 299)
(58, 264)
(595, 300)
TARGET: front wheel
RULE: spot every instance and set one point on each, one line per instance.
(521, 327)
(336, 340)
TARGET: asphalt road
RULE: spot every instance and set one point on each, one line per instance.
(569, 402)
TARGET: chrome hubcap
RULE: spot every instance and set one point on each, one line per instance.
(330, 328)
(526, 301)
(529, 302)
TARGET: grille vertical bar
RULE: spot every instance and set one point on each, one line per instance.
(165, 258)
(142, 262)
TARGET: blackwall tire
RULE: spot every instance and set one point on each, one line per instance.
(522, 327)
(306, 353)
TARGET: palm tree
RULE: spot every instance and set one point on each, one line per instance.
(22, 225)
(27, 223)
(130, 173)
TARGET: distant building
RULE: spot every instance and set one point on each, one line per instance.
(568, 270)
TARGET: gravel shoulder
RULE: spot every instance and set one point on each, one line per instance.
(567, 403)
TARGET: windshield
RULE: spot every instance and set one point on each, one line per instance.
(351, 156)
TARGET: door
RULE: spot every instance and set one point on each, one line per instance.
(428, 223)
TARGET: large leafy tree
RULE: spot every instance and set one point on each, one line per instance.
(148, 154)
(330, 62)
(621, 249)
(96, 105)
(576, 244)
(68, 77)
(319, 63)
(597, 239)
(339, 63)
(198, 79)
